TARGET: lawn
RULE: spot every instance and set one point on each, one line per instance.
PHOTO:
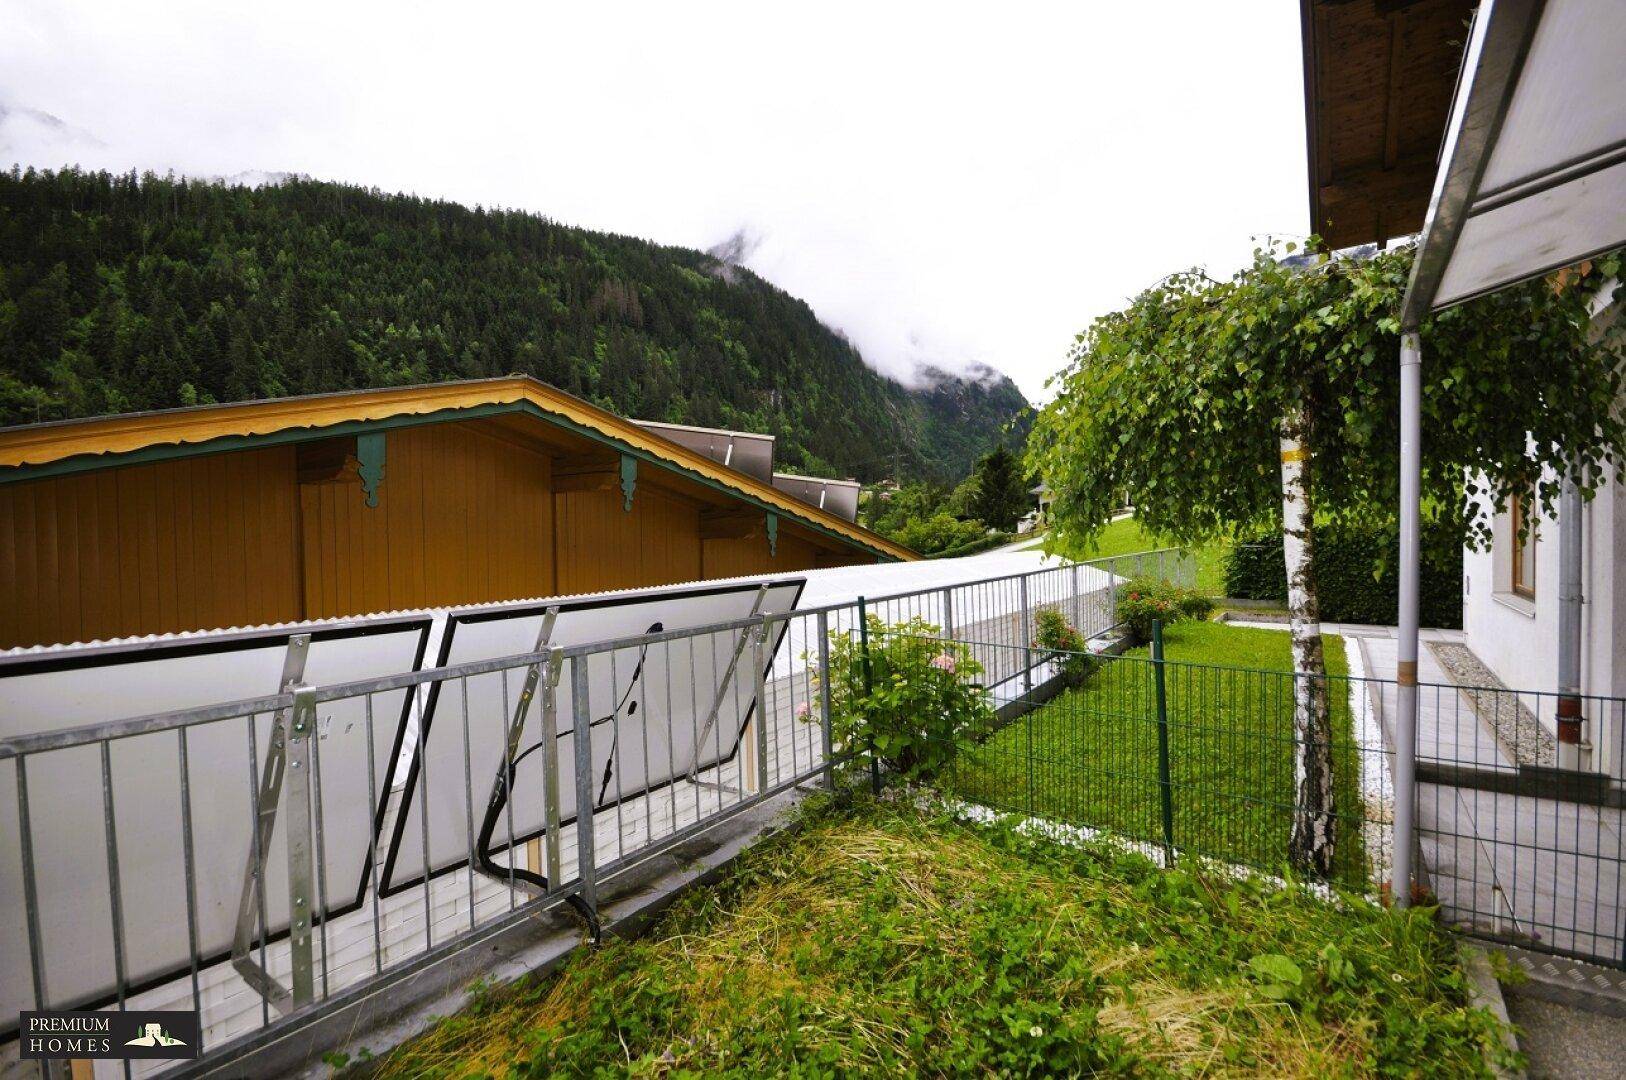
(1125, 537)
(881, 939)
(1090, 757)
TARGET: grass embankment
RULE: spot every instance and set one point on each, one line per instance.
(1090, 757)
(883, 941)
(1126, 537)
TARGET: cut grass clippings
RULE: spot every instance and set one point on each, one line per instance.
(1090, 756)
(880, 939)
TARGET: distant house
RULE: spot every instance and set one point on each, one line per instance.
(380, 500)
(1041, 496)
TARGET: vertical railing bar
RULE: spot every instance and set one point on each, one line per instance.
(552, 797)
(259, 848)
(508, 735)
(868, 676)
(321, 849)
(741, 711)
(581, 725)
(761, 672)
(297, 816)
(372, 838)
(423, 826)
(694, 722)
(190, 870)
(31, 904)
(468, 794)
(643, 730)
(115, 891)
(790, 688)
(824, 700)
(614, 762)
(671, 756)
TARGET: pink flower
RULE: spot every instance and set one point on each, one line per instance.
(943, 662)
(803, 711)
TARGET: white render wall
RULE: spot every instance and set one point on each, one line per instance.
(1518, 638)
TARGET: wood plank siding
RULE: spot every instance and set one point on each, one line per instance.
(462, 518)
(604, 546)
(467, 512)
(192, 544)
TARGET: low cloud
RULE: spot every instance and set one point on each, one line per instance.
(946, 189)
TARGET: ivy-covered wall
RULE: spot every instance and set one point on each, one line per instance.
(1349, 592)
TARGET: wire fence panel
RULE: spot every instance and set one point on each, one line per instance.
(1222, 748)
(1518, 844)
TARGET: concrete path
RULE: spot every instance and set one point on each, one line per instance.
(1545, 870)
(1563, 1042)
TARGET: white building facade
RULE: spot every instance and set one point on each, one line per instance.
(1510, 616)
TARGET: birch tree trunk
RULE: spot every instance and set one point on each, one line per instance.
(1312, 843)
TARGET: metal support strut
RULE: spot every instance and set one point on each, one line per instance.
(287, 757)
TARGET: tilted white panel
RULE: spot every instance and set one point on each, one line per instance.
(56, 689)
(648, 707)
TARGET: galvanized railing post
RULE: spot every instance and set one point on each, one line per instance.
(31, 904)
(1027, 637)
(1164, 781)
(948, 612)
(553, 842)
(1112, 593)
(301, 848)
(582, 730)
(760, 670)
(824, 701)
(869, 677)
(1078, 606)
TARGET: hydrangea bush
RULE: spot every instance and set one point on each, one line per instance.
(922, 699)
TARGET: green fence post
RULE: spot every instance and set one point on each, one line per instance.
(1164, 783)
(1028, 720)
(869, 688)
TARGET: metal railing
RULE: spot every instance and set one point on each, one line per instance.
(544, 776)
(549, 774)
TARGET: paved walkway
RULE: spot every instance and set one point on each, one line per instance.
(1567, 1043)
(1545, 870)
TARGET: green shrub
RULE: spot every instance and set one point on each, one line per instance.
(940, 532)
(985, 543)
(1347, 587)
(1054, 632)
(923, 697)
(1145, 600)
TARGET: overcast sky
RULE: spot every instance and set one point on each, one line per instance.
(941, 183)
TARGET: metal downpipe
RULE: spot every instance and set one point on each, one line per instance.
(1570, 722)
(1405, 733)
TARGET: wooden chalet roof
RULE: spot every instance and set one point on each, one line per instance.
(37, 450)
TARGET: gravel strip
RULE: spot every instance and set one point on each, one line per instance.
(1514, 726)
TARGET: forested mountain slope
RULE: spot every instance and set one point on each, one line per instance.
(120, 293)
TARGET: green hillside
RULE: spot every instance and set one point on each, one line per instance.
(122, 293)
